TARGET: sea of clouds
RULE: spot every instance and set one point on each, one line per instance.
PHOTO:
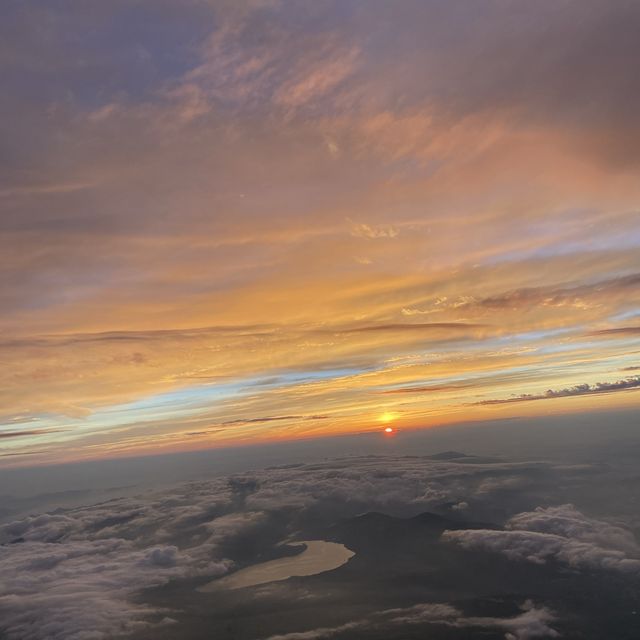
(77, 574)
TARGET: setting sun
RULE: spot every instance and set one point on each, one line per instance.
(388, 430)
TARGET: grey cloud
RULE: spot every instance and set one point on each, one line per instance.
(26, 453)
(73, 575)
(81, 589)
(76, 574)
(273, 418)
(27, 432)
(321, 632)
(543, 45)
(66, 143)
(505, 483)
(559, 296)
(577, 390)
(533, 622)
(565, 295)
(430, 388)
(623, 331)
(136, 336)
(416, 326)
(400, 481)
(559, 533)
(565, 520)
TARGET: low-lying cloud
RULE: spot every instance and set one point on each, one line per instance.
(562, 534)
(533, 622)
(78, 574)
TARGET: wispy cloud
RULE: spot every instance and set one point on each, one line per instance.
(227, 192)
(27, 432)
(617, 331)
(415, 326)
(81, 571)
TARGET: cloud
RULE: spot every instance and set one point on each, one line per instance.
(318, 80)
(21, 453)
(362, 230)
(74, 575)
(246, 73)
(617, 331)
(27, 432)
(79, 574)
(586, 296)
(533, 622)
(433, 388)
(319, 633)
(578, 296)
(560, 534)
(273, 419)
(416, 326)
(377, 483)
(567, 521)
(81, 589)
(577, 390)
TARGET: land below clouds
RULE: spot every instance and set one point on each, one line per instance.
(447, 544)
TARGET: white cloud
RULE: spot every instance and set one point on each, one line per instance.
(533, 622)
(565, 520)
(558, 533)
(81, 589)
(75, 575)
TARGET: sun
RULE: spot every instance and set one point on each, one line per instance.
(388, 430)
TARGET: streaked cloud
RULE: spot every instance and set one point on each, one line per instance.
(26, 433)
(199, 197)
(108, 554)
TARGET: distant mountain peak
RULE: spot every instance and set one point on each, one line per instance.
(374, 516)
(448, 455)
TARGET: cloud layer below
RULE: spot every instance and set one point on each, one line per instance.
(560, 534)
(79, 574)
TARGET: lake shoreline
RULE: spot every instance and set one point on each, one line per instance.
(319, 556)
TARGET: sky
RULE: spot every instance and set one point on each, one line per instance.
(230, 223)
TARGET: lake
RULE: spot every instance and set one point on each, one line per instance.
(318, 557)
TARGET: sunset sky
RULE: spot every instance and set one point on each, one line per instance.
(230, 223)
